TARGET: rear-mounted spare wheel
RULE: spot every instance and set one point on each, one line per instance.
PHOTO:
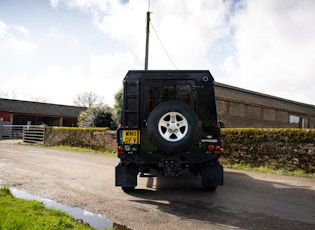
(172, 126)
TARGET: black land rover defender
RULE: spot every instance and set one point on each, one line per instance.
(168, 126)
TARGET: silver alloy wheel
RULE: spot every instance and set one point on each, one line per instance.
(173, 126)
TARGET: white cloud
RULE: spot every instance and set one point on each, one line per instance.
(122, 22)
(10, 42)
(55, 84)
(186, 28)
(275, 49)
(89, 6)
(60, 85)
(54, 33)
(107, 73)
(22, 30)
(19, 45)
(266, 46)
(54, 3)
(3, 29)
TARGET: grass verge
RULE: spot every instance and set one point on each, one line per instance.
(16, 213)
(299, 173)
(82, 149)
(76, 148)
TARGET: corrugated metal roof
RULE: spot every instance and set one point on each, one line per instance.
(231, 93)
(38, 108)
(222, 91)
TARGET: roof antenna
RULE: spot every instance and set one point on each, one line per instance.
(147, 39)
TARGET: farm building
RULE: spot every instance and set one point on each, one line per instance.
(244, 108)
(15, 112)
(237, 108)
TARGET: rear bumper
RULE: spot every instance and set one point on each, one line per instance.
(157, 158)
(209, 168)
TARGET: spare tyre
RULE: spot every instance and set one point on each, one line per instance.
(172, 126)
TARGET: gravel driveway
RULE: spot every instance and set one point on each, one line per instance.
(248, 200)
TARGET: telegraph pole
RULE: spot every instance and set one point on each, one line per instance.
(147, 42)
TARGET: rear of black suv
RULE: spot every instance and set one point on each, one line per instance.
(168, 126)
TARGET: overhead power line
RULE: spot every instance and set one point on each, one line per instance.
(146, 62)
(169, 57)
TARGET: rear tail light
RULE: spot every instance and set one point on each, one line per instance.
(210, 147)
(217, 150)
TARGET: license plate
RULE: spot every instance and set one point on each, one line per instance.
(131, 136)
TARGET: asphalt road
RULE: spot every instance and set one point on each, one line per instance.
(248, 200)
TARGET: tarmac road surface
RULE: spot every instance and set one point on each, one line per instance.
(248, 200)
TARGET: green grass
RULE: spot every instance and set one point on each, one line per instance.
(76, 148)
(299, 173)
(16, 213)
(81, 149)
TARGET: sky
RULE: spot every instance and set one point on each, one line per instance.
(53, 50)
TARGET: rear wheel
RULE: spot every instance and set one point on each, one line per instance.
(172, 126)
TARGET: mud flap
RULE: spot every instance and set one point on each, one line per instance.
(126, 175)
(212, 175)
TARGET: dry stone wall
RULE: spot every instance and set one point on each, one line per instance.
(290, 149)
(100, 139)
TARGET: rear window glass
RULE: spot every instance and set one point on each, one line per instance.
(156, 94)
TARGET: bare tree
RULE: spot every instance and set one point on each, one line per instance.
(87, 99)
(39, 99)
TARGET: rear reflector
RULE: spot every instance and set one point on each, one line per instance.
(120, 149)
(217, 150)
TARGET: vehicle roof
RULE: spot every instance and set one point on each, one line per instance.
(141, 75)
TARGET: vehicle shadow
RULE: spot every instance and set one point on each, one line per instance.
(243, 202)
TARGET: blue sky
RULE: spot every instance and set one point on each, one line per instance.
(53, 50)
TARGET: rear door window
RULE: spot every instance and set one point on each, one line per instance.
(158, 93)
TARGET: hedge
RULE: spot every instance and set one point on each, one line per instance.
(290, 149)
(101, 139)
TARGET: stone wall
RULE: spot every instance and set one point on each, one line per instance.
(290, 149)
(100, 139)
